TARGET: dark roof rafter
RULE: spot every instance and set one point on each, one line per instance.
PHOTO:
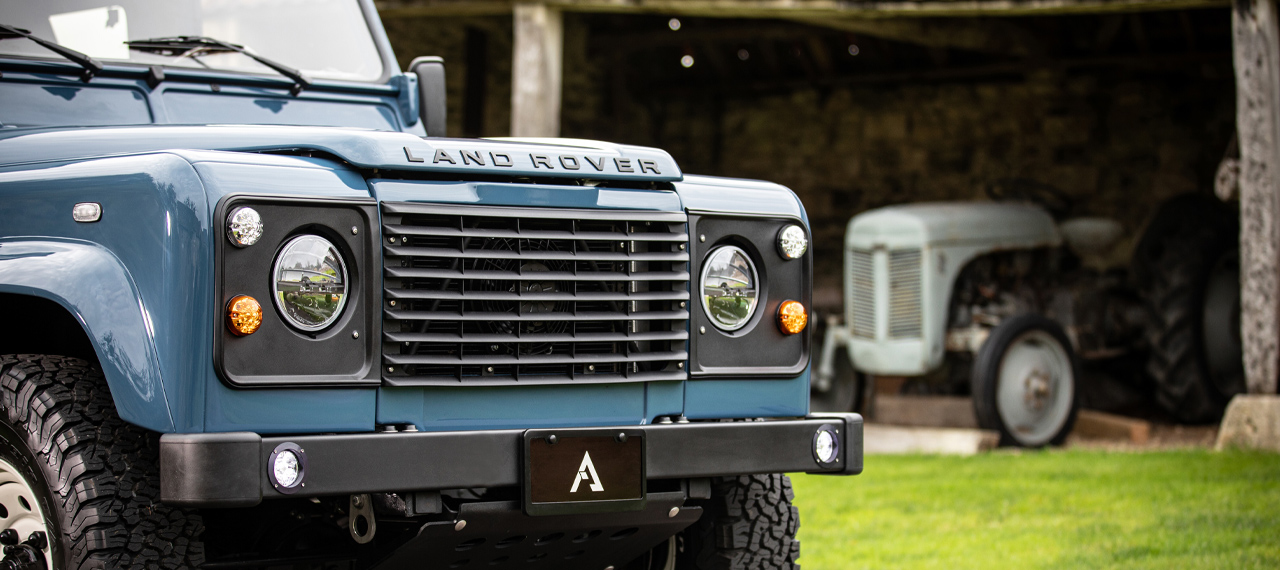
(801, 9)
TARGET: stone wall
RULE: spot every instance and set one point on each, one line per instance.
(1116, 136)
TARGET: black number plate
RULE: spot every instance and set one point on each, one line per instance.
(584, 471)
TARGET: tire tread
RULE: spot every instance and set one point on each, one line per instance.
(749, 524)
(102, 471)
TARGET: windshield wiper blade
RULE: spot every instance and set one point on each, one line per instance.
(195, 45)
(91, 66)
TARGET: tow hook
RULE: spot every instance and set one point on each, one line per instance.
(360, 520)
(29, 555)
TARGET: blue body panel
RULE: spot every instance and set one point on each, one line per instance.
(141, 279)
(132, 278)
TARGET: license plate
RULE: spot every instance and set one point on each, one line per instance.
(583, 471)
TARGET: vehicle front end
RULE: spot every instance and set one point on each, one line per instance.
(388, 348)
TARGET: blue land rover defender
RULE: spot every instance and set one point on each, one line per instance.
(260, 313)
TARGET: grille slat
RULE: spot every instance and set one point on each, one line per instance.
(527, 234)
(538, 358)
(538, 255)
(586, 337)
(517, 296)
(479, 295)
(407, 272)
(594, 316)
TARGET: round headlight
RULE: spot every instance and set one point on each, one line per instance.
(792, 243)
(826, 445)
(244, 227)
(730, 288)
(310, 282)
(287, 467)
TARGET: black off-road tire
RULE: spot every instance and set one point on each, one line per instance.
(749, 524)
(98, 477)
(1180, 265)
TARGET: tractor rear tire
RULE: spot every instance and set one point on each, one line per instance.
(95, 479)
(1182, 266)
(749, 524)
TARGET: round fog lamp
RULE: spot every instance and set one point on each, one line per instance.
(792, 242)
(244, 227)
(310, 282)
(244, 315)
(792, 317)
(730, 288)
(826, 445)
(286, 468)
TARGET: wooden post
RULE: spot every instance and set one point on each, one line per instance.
(1257, 62)
(536, 73)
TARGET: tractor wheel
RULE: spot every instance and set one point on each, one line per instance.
(1024, 382)
(72, 471)
(1193, 326)
(749, 524)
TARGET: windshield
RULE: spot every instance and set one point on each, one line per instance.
(325, 39)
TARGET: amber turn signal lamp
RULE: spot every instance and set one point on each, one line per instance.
(244, 315)
(792, 317)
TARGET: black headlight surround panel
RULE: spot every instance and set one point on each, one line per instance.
(278, 355)
(759, 348)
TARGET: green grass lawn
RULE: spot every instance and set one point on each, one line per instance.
(1056, 509)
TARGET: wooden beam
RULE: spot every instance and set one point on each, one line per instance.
(1257, 59)
(537, 59)
(796, 8)
(984, 35)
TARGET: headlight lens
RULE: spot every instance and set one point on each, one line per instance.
(244, 227)
(286, 469)
(792, 242)
(310, 282)
(825, 445)
(730, 288)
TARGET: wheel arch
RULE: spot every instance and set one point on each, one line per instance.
(77, 297)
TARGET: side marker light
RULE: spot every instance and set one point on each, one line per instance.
(792, 317)
(244, 315)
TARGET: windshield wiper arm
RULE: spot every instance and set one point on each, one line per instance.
(196, 45)
(91, 66)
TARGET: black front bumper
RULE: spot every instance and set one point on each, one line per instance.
(229, 469)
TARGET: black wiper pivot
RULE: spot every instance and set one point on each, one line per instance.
(91, 66)
(196, 45)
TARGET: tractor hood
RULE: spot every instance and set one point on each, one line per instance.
(465, 158)
(988, 224)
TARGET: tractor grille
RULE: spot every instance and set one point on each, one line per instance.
(498, 296)
(863, 293)
(904, 294)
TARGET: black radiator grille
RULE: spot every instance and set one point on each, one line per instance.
(482, 296)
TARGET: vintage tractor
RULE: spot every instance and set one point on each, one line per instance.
(1001, 301)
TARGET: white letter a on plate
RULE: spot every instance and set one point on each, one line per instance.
(587, 472)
